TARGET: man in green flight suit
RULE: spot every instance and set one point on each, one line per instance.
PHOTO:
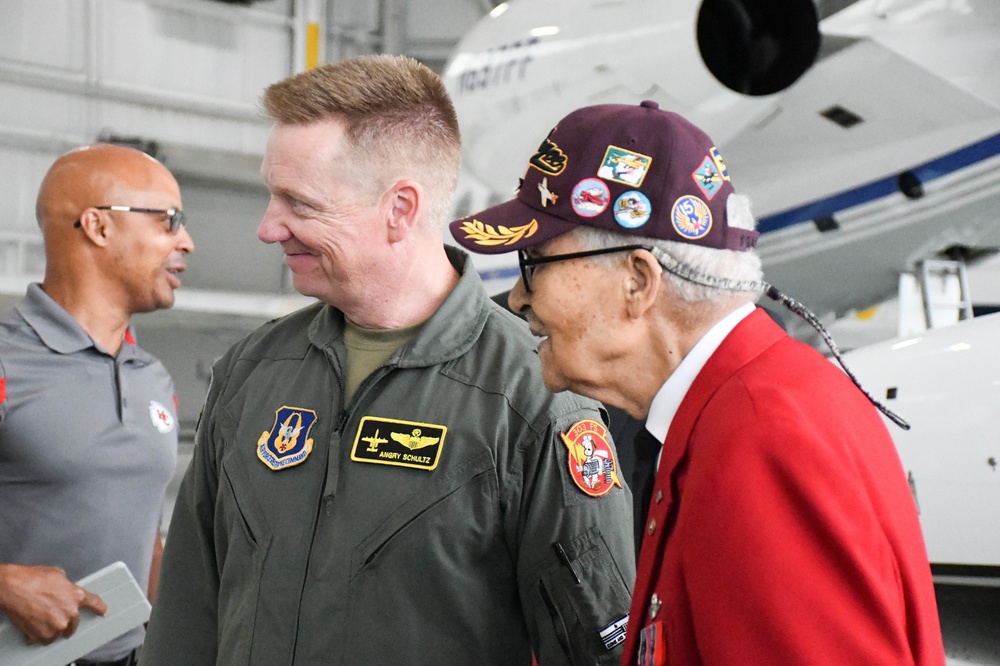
(381, 477)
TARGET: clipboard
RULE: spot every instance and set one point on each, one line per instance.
(127, 609)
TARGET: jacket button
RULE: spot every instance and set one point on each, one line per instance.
(652, 525)
(659, 496)
(654, 606)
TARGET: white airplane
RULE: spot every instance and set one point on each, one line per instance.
(867, 134)
(870, 139)
(946, 383)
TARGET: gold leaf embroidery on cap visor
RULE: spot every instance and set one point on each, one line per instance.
(486, 234)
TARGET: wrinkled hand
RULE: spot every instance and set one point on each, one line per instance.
(43, 603)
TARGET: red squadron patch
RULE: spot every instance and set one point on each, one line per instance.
(592, 463)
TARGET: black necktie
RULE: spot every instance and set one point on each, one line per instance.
(647, 449)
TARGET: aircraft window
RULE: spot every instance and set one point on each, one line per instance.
(841, 116)
(910, 185)
(827, 223)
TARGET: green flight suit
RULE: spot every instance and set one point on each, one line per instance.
(434, 520)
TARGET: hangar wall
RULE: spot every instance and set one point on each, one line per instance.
(182, 79)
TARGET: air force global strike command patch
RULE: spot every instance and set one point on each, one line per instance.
(287, 443)
(592, 463)
(398, 443)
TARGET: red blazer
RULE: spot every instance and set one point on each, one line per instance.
(782, 529)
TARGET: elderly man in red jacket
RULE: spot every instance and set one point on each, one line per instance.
(780, 528)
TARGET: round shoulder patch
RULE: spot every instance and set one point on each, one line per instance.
(592, 463)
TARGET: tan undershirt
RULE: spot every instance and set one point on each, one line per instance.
(368, 348)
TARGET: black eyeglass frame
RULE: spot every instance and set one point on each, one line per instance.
(528, 264)
(174, 224)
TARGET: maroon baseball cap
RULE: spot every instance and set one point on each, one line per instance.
(636, 170)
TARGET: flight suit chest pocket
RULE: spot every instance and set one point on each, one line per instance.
(429, 510)
(435, 553)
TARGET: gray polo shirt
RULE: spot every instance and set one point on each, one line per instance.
(88, 443)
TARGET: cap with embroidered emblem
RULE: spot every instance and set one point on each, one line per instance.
(633, 169)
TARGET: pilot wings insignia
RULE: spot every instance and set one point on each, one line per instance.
(409, 443)
(414, 440)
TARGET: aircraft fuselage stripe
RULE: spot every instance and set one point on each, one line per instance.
(936, 168)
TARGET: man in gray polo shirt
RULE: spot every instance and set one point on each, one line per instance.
(88, 434)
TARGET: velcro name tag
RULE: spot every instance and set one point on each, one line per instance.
(399, 443)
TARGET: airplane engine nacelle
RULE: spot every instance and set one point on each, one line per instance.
(758, 47)
(530, 63)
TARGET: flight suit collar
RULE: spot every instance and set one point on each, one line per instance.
(449, 333)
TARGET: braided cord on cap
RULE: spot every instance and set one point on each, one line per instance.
(688, 273)
(682, 270)
(794, 306)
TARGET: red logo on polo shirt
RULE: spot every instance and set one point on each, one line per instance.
(161, 418)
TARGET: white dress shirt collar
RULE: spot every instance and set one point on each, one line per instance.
(668, 398)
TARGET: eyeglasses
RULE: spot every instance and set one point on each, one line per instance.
(529, 264)
(174, 224)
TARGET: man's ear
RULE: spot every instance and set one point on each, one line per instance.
(94, 227)
(404, 204)
(643, 282)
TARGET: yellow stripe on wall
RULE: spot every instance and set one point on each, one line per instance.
(312, 45)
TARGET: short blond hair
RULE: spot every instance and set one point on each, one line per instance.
(397, 116)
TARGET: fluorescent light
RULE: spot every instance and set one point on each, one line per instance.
(499, 9)
(545, 31)
(960, 346)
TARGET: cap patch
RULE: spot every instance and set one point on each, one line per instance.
(707, 178)
(549, 159)
(632, 209)
(592, 463)
(161, 418)
(590, 197)
(719, 163)
(485, 234)
(548, 196)
(399, 443)
(287, 443)
(691, 217)
(623, 166)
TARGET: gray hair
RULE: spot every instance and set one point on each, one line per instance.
(728, 273)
